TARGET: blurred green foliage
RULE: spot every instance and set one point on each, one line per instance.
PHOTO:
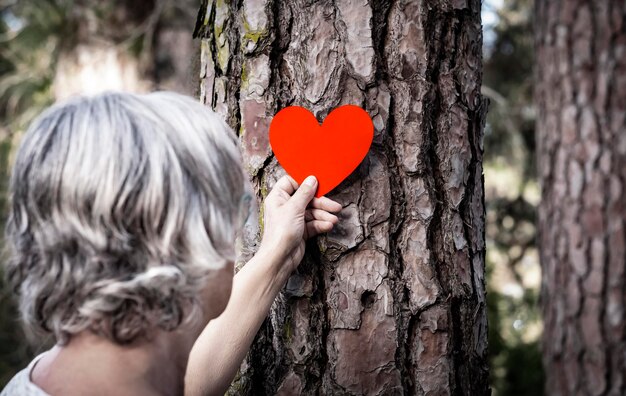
(34, 34)
(512, 195)
(14, 351)
(508, 82)
(28, 50)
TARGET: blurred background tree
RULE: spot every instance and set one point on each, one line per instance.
(581, 119)
(51, 49)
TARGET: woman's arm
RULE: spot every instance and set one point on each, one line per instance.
(291, 216)
(222, 346)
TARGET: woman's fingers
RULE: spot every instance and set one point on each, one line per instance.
(326, 204)
(304, 194)
(319, 214)
(285, 184)
(316, 227)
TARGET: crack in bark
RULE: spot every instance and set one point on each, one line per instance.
(435, 177)
(277, 53)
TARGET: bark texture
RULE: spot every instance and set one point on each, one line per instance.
(393, 300)
(581, 97)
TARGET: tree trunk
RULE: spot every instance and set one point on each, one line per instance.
(97, 54)
(581, 97)
(393, 300)
(94, 68)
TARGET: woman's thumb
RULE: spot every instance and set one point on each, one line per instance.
(305, 193)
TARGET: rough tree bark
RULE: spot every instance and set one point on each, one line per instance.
(581, 97)
(393, 300)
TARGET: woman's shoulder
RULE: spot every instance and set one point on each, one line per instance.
(21, 385)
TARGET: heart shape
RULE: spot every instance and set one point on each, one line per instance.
(330, 152)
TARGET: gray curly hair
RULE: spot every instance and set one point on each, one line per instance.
(122, 206)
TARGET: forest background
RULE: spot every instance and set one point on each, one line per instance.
(149, 46)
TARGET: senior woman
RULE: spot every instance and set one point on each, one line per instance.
(124, 213)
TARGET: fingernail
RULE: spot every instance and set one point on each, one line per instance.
(310, 181)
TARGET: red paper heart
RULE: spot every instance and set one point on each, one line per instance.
(329, 152)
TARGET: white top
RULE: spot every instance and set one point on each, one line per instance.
(21, 385)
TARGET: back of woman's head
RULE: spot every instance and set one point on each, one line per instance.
(121, 206)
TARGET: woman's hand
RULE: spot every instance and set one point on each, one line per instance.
(291, 216)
